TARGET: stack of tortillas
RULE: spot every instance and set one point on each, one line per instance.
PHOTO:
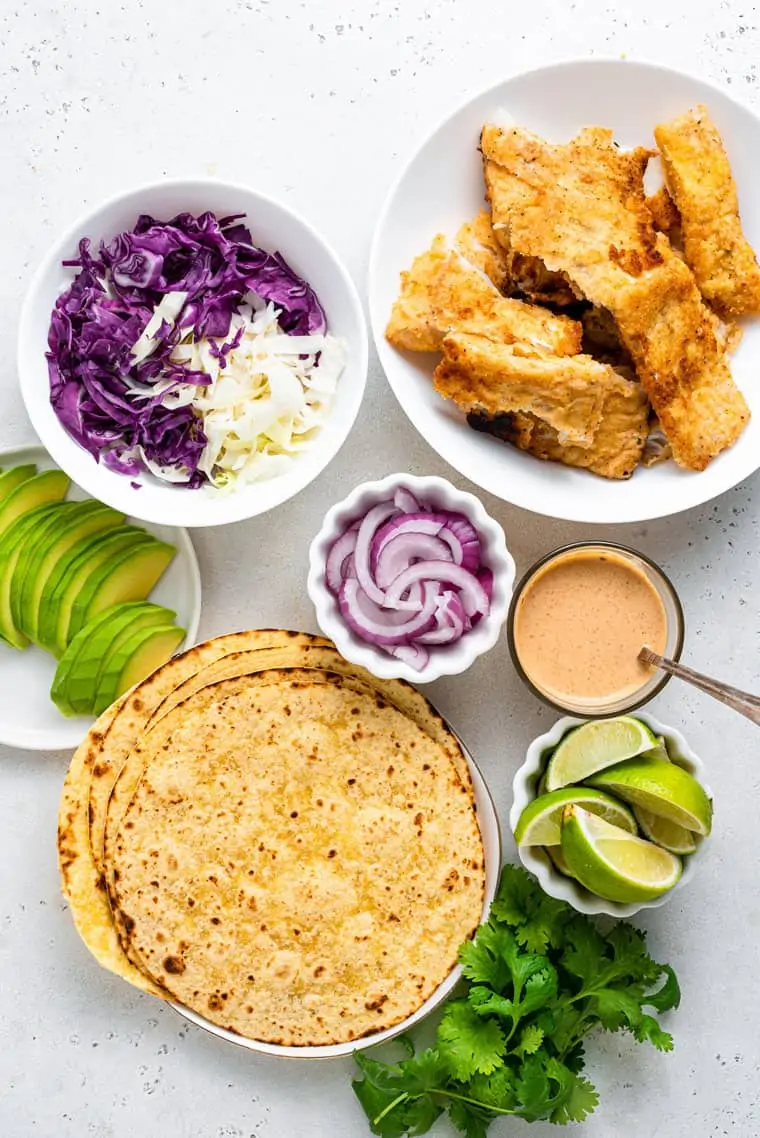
(275, 839)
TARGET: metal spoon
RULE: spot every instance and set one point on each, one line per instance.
(740, 701)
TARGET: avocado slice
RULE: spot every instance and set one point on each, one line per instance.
(10, 479)
(73, 569)
(19, 535)
(140, 655)
(127, 576)
(81, 666)
(49, 486)
(39, 559)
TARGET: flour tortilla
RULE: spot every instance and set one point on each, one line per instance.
(299, 862)
(81, 882)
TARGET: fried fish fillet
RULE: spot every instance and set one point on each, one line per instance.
(441, 293)
(699, 178)
(616, 448)
(580, 208)
(568, 393)
(512, 273)
(664, 213)
(477, 243)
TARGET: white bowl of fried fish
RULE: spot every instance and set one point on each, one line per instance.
(565, 296)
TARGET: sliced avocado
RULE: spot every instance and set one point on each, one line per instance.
(127, 576)
(39, 559)
(49, 486)
(10, 479)
(73, 569)
(16, 538)
(80, 667)
(140, 655)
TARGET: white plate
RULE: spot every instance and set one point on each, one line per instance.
(443, 186)
(488, 821)
(274, 227)
(28, 717)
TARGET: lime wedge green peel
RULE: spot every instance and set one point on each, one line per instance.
(661, 788)
(612, 863)
(667, 834)
(541, 820)
(595, 746)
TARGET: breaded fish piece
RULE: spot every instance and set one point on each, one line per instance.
(699, 178)
(568, 393)
(441, 293)
(580, 207)
(664, 213)
(617, 446)
(477, 243)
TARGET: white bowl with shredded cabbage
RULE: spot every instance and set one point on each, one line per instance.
(276, 406)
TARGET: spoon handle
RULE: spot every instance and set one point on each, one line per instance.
(741, 701)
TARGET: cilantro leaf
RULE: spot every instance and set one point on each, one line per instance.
(540, 989)
(485, 959)
(531, 1038)
(539, 920)
(496, 1090)
(584, 954)
(468, 1044)
(470, 1120)
(533, 1090)
(578, 1105)
(669, 995)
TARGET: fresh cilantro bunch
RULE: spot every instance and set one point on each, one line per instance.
(539, 978)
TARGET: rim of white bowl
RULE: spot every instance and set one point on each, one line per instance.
(452, 659)
(556, 884)
(378, 333)
(56, 440)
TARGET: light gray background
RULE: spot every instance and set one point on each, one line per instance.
(320, 103)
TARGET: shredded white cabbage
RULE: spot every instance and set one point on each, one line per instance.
(266, 399)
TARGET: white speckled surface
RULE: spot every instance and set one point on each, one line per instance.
(319, 103)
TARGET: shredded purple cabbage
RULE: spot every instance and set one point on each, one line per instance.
(99, 318)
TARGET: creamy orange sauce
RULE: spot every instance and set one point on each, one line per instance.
(580, 623)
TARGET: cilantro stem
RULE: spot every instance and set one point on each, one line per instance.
(391, 1106)
(473, 1102)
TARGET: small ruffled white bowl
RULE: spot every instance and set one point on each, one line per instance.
(436, 494)
(537, 862)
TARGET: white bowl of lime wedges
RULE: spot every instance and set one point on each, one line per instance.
(611, 814)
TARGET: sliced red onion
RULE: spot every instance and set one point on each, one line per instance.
(412, 654)
(461, 529)
(395, 617)
(336, 569)
(460, 536)
(472, 593)
(451, 621)
(402, 550)
(364, 538)
(406, 501)
(379, 629)
(409, 579)
(485, 576)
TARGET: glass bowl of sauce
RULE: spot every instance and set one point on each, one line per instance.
(578, 619)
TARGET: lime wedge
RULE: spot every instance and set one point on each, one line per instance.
(541, 821)
(664, 789)
(612, 863)
(594, 746)
(667, 834)
(557, 857)
(659, 751)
